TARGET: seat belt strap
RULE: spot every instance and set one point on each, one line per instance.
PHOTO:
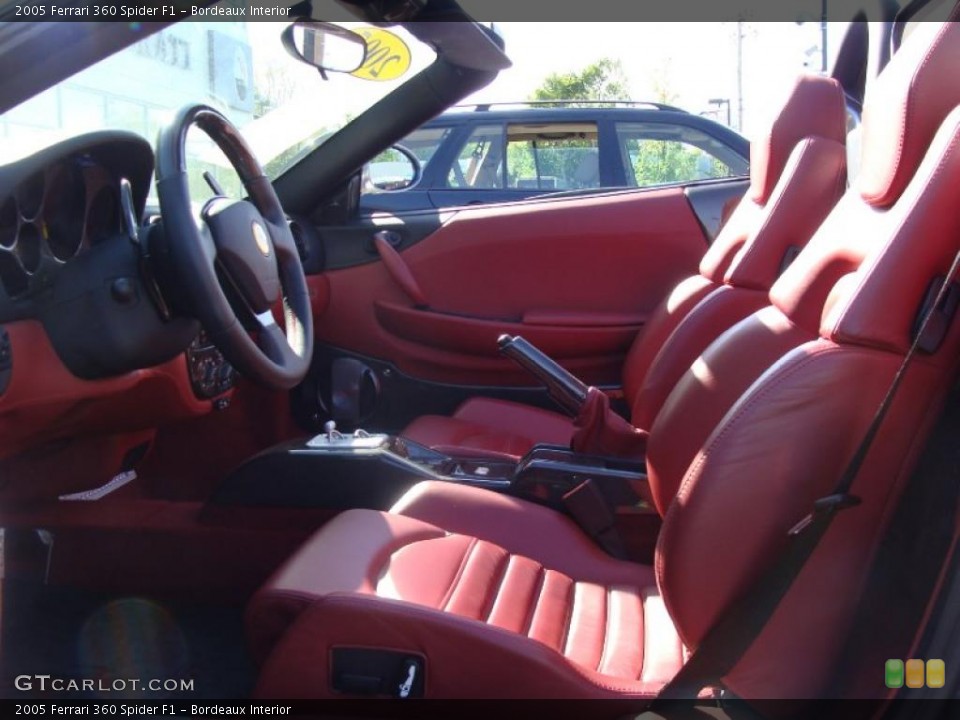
(732, 635)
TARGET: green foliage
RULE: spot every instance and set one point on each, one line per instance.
(602, 80)
(520, 163)
(656, 162)
(390, 155)
(557, 159)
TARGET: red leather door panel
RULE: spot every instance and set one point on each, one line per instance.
(578, 275)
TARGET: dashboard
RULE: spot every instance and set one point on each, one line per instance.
(82, 333)
(59, 203)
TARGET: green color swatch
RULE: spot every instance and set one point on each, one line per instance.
(893, 673)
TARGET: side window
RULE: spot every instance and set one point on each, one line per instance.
(553, 157)
(479, 164)
(423, 143)
(661, 153)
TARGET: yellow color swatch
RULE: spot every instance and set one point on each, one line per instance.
(936, 673)
(915, 673)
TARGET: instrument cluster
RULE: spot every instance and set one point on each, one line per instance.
(54, 205)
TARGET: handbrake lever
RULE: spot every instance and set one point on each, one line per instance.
(566, 389)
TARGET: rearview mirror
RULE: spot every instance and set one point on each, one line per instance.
(327, 47)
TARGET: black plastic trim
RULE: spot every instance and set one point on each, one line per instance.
(291, 475)
(345, 246)
(709, 200)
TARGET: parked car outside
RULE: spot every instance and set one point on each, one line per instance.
(501, 153)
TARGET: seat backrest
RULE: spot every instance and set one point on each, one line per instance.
(797, 173)
(848, 307)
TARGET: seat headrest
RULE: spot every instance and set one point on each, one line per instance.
(814, 108)
(905, 106)
(912, 246)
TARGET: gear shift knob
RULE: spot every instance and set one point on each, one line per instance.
(333, 440)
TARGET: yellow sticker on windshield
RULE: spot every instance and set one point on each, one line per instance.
(388, 57)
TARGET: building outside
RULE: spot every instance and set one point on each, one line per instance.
(211, 62)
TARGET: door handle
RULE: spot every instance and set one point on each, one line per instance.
(399, 270)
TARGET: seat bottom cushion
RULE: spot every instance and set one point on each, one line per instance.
(490, 620)
(491, 427)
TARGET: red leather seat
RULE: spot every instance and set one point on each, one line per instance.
(562, 615)
(505, 599)
(797, 174)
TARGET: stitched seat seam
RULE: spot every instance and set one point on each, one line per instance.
(448, 596)
(606, 627)
(535, 601)
(488, 610)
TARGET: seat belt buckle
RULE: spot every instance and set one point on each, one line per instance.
(825, 506)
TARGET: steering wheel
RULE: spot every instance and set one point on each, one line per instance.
(236, 264)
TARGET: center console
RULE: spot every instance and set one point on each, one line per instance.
(340, 471)
(334, 471)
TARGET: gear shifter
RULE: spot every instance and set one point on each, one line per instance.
(333, 439)
(330, 428)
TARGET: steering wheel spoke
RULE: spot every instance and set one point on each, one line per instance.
(273, 341)
(207, 245)
(283, 241)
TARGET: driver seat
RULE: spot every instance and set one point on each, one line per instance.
(797, 174)
(498, 597)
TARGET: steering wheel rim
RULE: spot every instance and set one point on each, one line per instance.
(244, 244)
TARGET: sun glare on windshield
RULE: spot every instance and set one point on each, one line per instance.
(283, 106)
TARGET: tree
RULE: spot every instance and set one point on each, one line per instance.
(661, 79)
(658, 161)
(602, 80)
(655, 160)
(542, 157)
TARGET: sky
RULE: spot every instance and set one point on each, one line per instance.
(695, 61)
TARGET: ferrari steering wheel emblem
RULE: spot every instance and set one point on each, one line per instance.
(260, 238)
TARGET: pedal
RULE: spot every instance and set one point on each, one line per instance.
(116, 482)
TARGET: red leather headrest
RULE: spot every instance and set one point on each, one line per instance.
(905, 106)
(806, 132)
(811, 110)
(813, 180)
(862, 276)
(836, 249)
(910, 246)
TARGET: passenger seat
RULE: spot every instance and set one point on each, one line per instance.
(797, 174)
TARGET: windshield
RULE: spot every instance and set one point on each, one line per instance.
(283, 106)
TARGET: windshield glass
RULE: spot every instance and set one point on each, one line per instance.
(283, 106)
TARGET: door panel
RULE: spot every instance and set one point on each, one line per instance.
(577, 274)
